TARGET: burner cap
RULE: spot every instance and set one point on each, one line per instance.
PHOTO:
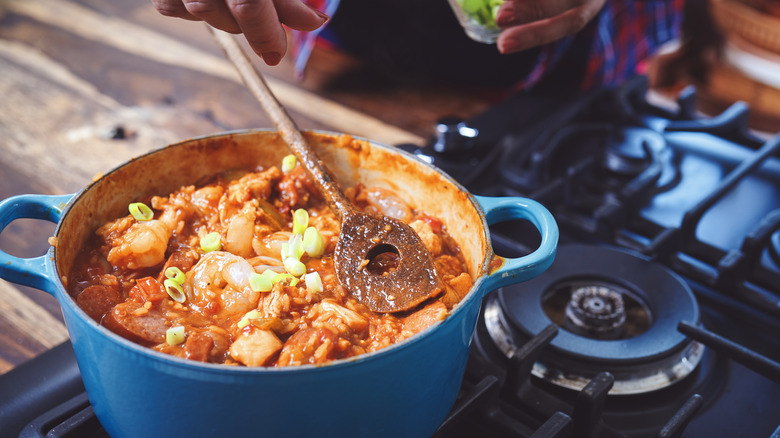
(596, 311)
(618, 313)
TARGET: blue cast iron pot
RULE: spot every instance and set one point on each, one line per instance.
(405, 390)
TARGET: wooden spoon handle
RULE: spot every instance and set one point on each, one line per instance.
(284, 123)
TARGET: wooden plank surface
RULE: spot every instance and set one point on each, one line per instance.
(75, 74)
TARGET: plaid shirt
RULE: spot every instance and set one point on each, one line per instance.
(623, 35)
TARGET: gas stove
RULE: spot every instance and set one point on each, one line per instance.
(660, 316)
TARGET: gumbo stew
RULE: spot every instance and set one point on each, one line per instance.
(240, 271)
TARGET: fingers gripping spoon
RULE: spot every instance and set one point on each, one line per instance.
(364, 237)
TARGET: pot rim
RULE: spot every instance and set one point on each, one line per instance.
(166, 359)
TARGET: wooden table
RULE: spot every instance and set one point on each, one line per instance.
(87, 84)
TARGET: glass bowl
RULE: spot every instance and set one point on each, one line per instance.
(478, 18)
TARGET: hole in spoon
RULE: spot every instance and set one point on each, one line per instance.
(382, 259)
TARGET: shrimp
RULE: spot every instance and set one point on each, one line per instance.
(144, 243)
(219, 285)
(388, 203)
(240, 230)
(206, 200)
(270, 245)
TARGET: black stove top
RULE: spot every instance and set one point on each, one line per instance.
(660, 316)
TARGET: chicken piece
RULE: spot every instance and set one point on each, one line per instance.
(276, 303)
(323, 219)
(456, 288)
(353, 319)
(253, 185)
(308, 346)
(448, 265)
(430, 239)
(424, 318)
(255, 348)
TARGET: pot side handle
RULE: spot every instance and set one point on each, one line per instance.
(515, 270)
(30, 272)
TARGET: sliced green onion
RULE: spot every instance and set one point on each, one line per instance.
(175, 274)
(482, 11)
(175, 335)
(313, 243)
(211, 242)
(296, 246)
(140, 211)
(270, 275)
(313, 282)
(175, 291)
(252, 314)
(294, 266)
(260, 283)
(285, 276)
(293, 247)
(281, 277)
(300, 221)
(288, 163)
(494, 11)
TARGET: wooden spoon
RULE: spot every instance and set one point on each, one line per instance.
(363, 237)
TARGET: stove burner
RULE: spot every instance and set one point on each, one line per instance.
(596, 312)
(641, 346)
(597, 309)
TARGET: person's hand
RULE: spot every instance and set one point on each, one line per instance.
(259, 20)
(531, 23)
